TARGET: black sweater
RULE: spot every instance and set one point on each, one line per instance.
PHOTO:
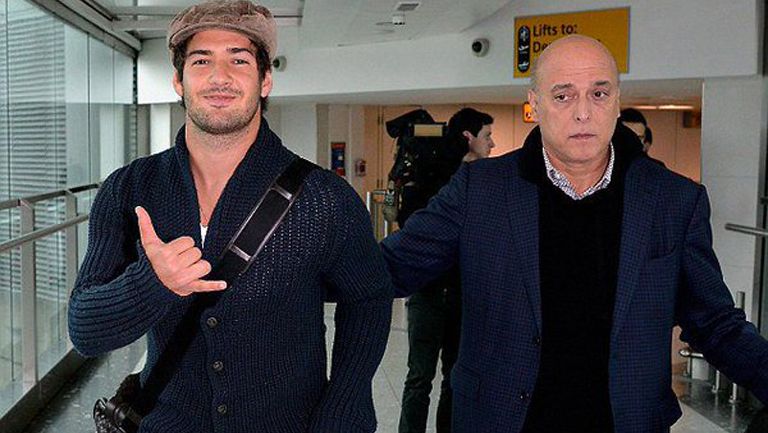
(579, 259)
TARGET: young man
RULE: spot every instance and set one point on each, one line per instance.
(258, 360)
(634, 120)
(473, 129)
(578, 255)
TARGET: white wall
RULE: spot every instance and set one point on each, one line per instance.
(298, 129)
(356, 147)
(159, 127)
(154, 73)
(732, 144)
(346, 123)
(680, 39)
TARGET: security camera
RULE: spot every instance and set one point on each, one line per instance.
(480, 47)
(279, 63)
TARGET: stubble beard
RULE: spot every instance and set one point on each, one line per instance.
(208, 121)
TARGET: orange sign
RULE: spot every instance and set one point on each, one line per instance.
(527, 113)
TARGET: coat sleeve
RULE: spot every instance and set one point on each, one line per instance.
(360, 285)
(705, 311)
(428, 245)
(117, 296)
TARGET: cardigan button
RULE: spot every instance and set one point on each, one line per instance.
(218, 366)
(222, 409)
(212, 322)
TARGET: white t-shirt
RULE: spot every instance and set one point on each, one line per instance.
(203, 232)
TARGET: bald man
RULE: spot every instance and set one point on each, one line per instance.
(578, 255)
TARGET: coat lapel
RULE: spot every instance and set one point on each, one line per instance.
(640, 194)
(523, 205)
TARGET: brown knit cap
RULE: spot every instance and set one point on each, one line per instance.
(254, 21)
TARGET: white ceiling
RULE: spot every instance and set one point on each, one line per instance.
(149, 18)
(330, 23)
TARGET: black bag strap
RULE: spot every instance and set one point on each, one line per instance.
(261, 223)
(241, 251)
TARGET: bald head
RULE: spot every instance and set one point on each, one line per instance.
(564, 50)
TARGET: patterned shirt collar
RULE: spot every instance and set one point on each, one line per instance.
(559, 180)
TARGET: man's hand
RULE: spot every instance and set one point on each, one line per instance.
(178, 264)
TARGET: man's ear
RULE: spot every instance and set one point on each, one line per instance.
(468, 135)
(177, 85)
(533, 100)
(266, 84)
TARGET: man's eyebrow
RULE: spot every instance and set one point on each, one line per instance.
(237, 50)
(557, 87)
(199, 53)
(234, 50)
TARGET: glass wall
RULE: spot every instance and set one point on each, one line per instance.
(67, 118)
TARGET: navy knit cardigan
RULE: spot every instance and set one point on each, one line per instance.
(258, 362)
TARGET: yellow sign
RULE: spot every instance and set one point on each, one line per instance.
(533, 34)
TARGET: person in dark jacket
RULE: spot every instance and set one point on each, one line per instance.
(473, 129)
(578, 255)
(258, 359)
(634, 120)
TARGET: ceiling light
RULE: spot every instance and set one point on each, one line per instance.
(675, 107)
(407, 6)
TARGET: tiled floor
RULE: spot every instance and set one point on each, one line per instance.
(70, 413)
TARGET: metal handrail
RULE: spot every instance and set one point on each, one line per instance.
(754, 231)
(41, 233)
(16, 202)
